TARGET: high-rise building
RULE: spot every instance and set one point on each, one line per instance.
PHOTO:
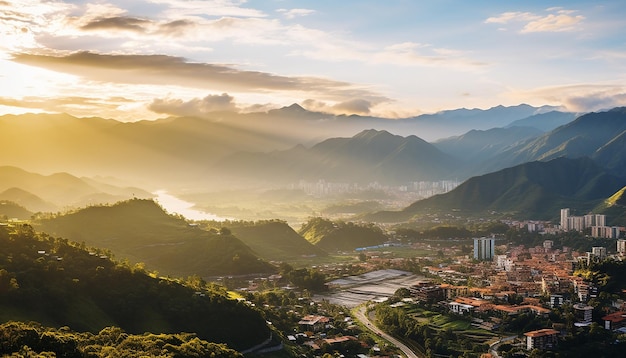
(484, 248)
(564, 216)
(621, 246)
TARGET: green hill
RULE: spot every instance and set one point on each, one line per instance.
(141, 231)
(341, 236)
(535, 190)
(59, 283)
(614, 208)
(273, 240)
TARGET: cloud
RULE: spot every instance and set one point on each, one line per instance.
(196, 107)
(354, 106)
(117, 23)
(208, 8)
(77, 105)
(169, 70)
(293, 13)
(558, 20)
(580, 97)
(507, 17)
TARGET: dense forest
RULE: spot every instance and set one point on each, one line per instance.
(60, 283)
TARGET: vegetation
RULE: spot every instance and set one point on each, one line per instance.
(432, 332)
(59, 283)
(11, 210)
(270, 239)
(32, 339)
(341, 236)
(142, 231)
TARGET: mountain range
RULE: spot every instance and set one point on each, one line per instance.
(600, 136)
(182, 150)
(51, 193)
(201, 151)
(368, 156)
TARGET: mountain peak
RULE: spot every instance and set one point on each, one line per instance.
(373, 133)
(294, 108)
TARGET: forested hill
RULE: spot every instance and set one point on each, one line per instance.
(273, 239)
(59, 283)
(341, 236)
(141, 231)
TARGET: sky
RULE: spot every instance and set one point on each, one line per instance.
(146, 59)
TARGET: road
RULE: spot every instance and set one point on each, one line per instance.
(493, 348)
(361, 316)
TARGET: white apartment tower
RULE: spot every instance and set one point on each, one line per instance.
(564, 216)
(484, 248)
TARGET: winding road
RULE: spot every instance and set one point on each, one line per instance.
(361, 316)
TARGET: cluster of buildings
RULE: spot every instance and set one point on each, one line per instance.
(596, 222)
(531, 275)
(419, 189)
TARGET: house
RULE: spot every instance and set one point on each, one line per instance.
(541, 339)
(460, 308)
(313, 323)
(615, 320)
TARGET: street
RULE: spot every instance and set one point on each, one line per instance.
(361, 316)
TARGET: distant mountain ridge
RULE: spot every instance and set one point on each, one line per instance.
(158, 151)
(50, 193)
(368, 156)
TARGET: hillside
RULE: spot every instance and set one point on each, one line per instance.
(614, 208)
(11, 210)
(157, 152)
(369, 156)
(27, 200)
(479, 145)
(141, 231)
(545, 122)
(535, 190)
(273, 240)
(595, 135)
(59, 283)
(341, 236)
(48, 193)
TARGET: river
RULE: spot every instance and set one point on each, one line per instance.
(175, 205)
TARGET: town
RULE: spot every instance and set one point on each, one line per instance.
(495, 295)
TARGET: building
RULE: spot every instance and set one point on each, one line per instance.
(547, 244)
(556, 300)
(621, 246)
(460, 308)
(579, 223)
(598, 252)
(428, 294)
(484, 248)
(614, 320)
(583, 314)
(564, 216)
(313, 323)
(541, 339)
(609, 232)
